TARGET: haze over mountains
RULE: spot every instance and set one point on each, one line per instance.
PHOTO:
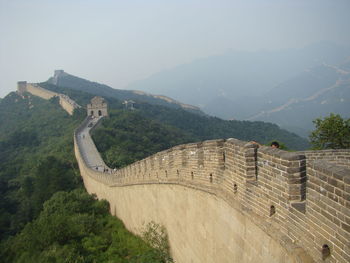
(173, 113)
(274, 86)
(63, 79)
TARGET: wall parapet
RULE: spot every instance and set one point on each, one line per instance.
(339, 157)
(304, 201)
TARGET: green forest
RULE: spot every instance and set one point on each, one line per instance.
(45, 213)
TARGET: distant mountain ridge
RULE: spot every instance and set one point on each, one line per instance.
(314, 93)
(67, 80)
(200, 126)
(223, 85)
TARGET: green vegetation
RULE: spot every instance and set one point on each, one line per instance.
(332, 132)
(39, 222)
(80, 97)
(206, 127)
(127, 137)
(36, 155)
(198, 126)
(74, 227)
(156, 236)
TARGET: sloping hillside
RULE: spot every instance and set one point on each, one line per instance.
(36, 155)
(198, 127)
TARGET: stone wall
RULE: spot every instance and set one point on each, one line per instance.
(328, 209)
(203, 224)
(299, 206)
(66, 103)
(340, 157)
(36, 90)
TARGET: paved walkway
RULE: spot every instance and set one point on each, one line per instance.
(87, 147)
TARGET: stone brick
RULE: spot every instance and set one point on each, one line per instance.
(346, 196)
(332, 181)
(346, 227)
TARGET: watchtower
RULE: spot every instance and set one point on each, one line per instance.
(21, 87)
(97, 107)
(57, 74)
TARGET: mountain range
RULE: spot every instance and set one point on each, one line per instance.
(63, 79)
(274, 86)
(170, 112)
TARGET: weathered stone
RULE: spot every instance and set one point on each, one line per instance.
(346, 227)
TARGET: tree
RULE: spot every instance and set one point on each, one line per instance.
(332, 132)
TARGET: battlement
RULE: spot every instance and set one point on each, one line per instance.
(300, 198)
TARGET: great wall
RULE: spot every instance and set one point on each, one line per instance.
(66, 103)
(227, 200)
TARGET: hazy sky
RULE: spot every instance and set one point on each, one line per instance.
(117, 42)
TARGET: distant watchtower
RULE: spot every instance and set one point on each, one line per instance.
(21, 87)
(97, 107)
(57, 74)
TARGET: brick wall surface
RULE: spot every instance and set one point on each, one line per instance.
(340, 157)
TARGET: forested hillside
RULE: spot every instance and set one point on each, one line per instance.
(199, 127)
(127, 136)
(206, 127)
(41, 220)
(36, 158)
